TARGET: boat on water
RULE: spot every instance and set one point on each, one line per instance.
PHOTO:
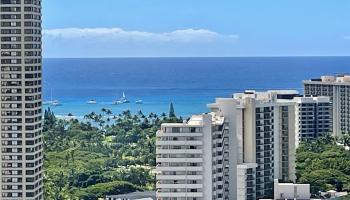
(122, 100)
(46, 103)
(56, 103)
(92, 101)
(139, 102)
(117, 102)
(52, 102)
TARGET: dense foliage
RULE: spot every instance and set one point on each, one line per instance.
(324, 164)
(103, 154)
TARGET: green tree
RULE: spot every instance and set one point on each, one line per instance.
(172, 111)
(346, 140)
(323, 164)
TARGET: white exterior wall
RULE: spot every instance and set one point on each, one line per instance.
(227, 108)
(291, 191)
(248, 131)
(257, 132)
(242, 181)
(207, 158)
(291, 145)
(249, 103)
(210, 178)
(176, 181)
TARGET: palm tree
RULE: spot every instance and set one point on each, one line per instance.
(109, 112)
(140, 113)
(126, 113)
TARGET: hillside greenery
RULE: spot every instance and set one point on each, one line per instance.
(103, 154)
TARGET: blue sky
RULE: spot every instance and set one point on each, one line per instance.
(141, 28)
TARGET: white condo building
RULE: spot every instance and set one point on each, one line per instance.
(193, 157)
(338, 89)
(234, 152)
(21, 153)
(266, 137)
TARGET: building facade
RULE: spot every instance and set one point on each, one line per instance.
(246, 181)
(21, 176)
(234, 152)
(291, 191)
(313, 117)
(133, 196)
(266, 137)
(193, 157)
(338, 89)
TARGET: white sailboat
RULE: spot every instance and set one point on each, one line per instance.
(52, 102)
(49, 102)
(122, 100)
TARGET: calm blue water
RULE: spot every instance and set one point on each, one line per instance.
(190, 83)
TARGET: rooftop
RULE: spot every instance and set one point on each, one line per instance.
(197, 120)
(268, 96)
(339, 79)
(134, 196)
(320, 99)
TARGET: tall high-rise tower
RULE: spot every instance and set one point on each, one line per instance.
(21, 146)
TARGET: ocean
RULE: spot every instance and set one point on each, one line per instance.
(190, 83)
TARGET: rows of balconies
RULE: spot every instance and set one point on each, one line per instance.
(182, 168)
(179, 186)
(179, 177)
(163, 134)
(192, 160)
(179, 195)
(179, 142)
(179, 151)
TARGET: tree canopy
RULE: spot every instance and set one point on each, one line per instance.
(324, 165)
(102, 154)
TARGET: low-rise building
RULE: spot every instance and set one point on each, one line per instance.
(133, 196)
(291, 191)
(246, 181)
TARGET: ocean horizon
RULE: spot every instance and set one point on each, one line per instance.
(190, 83)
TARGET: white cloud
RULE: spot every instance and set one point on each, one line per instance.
(117, 42)
(121, 35)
